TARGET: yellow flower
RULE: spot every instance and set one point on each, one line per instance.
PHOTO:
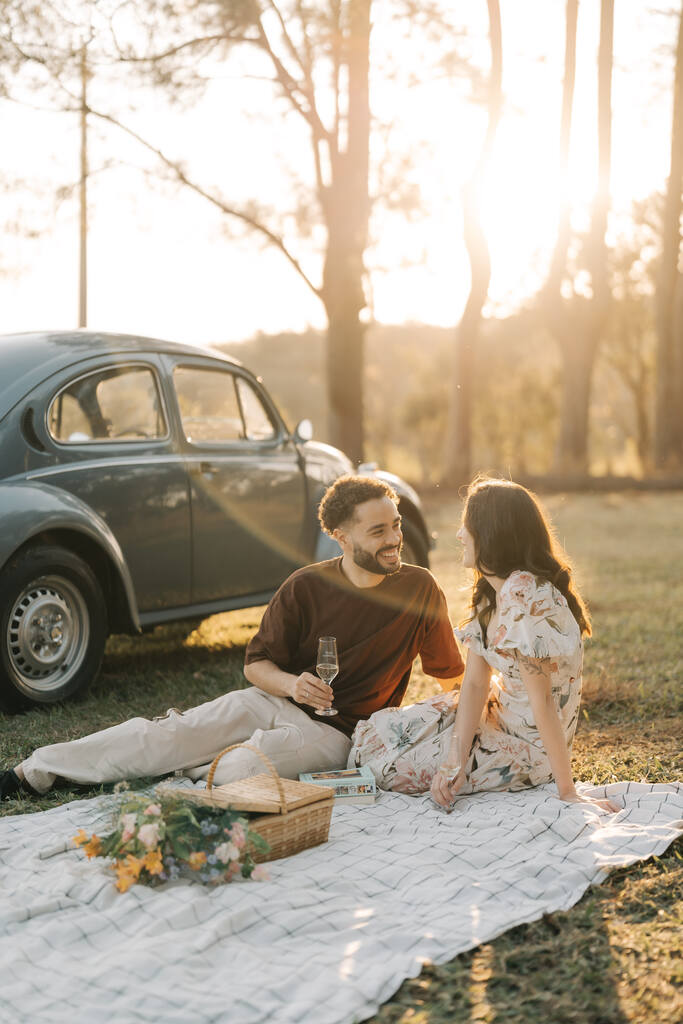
(80, 837)
(134, 865)
(127, 872)
(124, 881)
(196, 860)
(94, 847)
(152, 861)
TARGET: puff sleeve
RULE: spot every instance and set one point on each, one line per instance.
(470, 636)
(535, 619)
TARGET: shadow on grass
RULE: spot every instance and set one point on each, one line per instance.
(170, 660)
(139, 678)
(558, 970)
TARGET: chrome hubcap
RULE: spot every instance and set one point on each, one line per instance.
(47, 634)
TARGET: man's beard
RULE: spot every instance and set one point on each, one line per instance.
(366, 560)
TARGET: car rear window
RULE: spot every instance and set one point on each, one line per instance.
(117, 404)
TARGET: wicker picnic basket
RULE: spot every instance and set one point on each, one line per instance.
(294, 815)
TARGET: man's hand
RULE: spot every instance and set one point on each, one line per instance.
(445, 786)
(308, 689)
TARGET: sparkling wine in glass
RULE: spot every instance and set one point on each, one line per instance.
(450, 769)
(454, 758)
(327, 667)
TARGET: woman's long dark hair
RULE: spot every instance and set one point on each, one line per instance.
(511, 532)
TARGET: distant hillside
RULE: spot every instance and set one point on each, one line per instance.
(293, 368)
(407, 389)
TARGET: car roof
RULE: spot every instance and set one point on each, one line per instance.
(28, 359)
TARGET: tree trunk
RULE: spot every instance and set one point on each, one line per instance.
(669, 387)
(458, 446)
(580, 337)
(83, 199)
(345, 364)
(559, 257)
(458, 469)
(347, 212)
(643, 441)
(578, 324)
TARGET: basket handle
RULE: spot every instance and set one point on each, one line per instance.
(268, 763)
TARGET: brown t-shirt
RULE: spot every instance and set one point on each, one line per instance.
(379, 630)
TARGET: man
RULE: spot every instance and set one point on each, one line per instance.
(383, 614)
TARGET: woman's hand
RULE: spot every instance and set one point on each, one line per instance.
(573, 797)
(308, 689)
(445, 786)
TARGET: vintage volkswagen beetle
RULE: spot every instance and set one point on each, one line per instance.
(142, 482)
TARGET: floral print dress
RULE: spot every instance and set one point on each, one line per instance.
(404, 746)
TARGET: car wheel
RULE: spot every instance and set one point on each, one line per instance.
(415, 550)
(53, 625)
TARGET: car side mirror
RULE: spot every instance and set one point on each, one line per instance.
(303, 431)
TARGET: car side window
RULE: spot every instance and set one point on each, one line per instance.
(209, 409)
(117, 404)
(258, 424)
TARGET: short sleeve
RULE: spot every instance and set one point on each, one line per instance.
(278, 635)
(535, 619)
(439, 652)
(470, 635)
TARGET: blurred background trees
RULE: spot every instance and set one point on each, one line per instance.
(669, 404)
(582, 378)
(458, 435)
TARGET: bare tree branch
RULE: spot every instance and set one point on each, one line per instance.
(319, 133)
(189, 44)
(230, 211)
(336, 72)
(294, 53)
(308, 49)
(291, 87)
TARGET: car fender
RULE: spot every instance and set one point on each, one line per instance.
(29, 508)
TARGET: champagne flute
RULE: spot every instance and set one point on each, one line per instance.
(450, 770)
(327, 666)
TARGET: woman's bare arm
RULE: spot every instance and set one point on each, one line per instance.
(535, 673)
(473, 696)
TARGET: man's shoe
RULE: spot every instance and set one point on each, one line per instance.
(10, 784)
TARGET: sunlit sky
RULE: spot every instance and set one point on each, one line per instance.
(163, 262)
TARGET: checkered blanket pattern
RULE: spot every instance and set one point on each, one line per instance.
(334, 932)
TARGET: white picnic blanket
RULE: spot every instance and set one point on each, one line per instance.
(334, 932)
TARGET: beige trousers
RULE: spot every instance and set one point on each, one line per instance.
(189, 741)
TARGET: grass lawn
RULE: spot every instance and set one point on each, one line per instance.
(616, 956)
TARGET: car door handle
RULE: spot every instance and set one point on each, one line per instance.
(205, 468)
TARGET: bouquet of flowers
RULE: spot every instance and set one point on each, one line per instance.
(158, 840)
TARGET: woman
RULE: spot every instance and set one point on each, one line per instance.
(519, 702)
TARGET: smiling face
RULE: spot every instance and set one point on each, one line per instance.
(467, 541)
(373, 538)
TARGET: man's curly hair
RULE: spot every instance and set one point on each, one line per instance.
(339, 501)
